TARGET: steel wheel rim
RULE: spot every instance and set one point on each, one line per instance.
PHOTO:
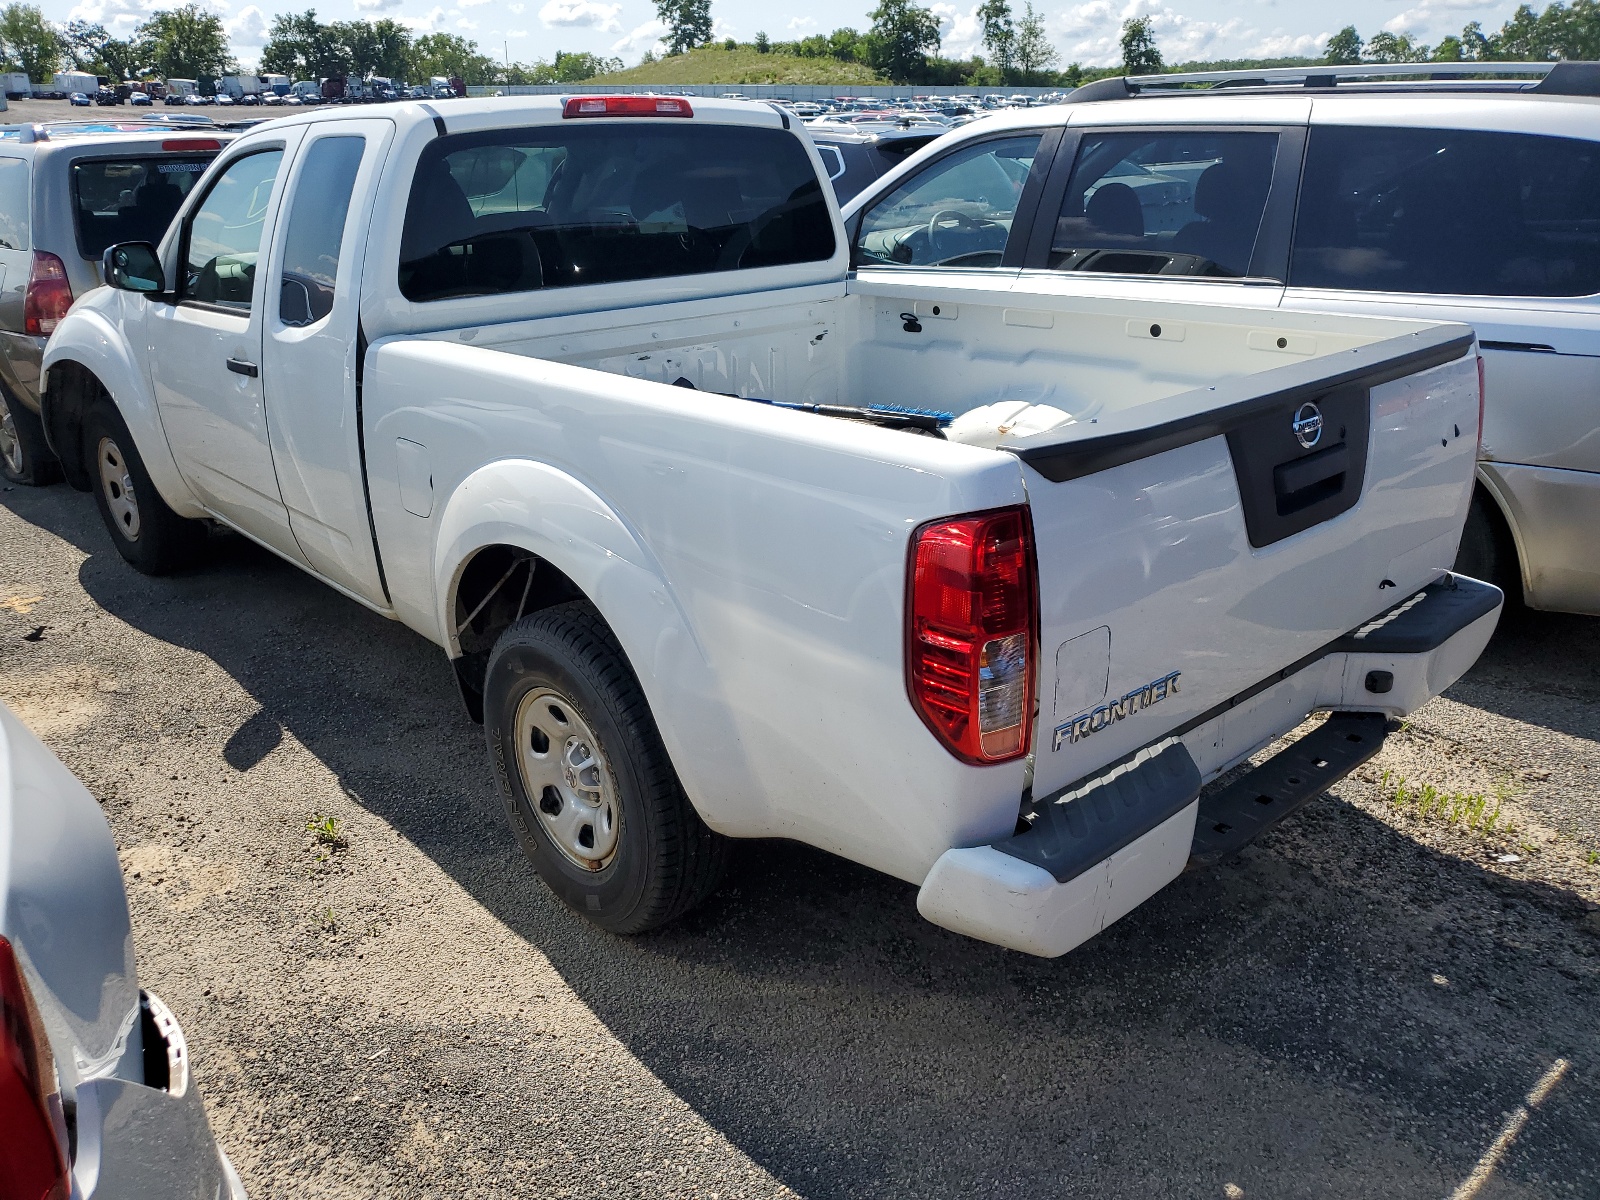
(10, 443)
(116, 484)
(568, 781)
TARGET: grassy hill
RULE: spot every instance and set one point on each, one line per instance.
(713, 64)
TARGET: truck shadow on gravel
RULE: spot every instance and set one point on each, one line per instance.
(1337, 1011)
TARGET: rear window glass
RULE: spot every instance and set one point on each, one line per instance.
(15, 202)
(512, 210)
(1165, 203)
(130, 200)
(1449, 212)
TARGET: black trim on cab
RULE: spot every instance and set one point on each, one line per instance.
(1235, 403)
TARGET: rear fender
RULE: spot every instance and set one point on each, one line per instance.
(550, 514)
(94, 336)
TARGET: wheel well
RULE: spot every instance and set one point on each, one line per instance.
(498, 586)
(1508, 552)
(64, 404)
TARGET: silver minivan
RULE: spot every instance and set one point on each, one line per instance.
(69, 189)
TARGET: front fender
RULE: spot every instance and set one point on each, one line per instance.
(95, 336)
(518, 502)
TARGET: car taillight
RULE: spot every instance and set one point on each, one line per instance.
(48, 297)
(626, 106)
(33, 1161)
(1480, 406)
(970, 645)
(191, 145)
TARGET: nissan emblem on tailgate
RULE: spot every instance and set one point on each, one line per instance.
(1307, 425)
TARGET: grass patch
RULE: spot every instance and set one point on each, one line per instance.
(1468, 810)
(715, 64)
(327, 832)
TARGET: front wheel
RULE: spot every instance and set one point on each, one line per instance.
(148, 534)
(588, 787)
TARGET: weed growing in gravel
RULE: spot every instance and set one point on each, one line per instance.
(1593, 858)
(327, 831)
(1470, 810)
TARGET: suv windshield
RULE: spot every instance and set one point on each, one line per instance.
(130, 200)
(521, 209)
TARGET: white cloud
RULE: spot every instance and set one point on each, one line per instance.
(517, 33)
(249, 28)
(377, 5)
(581, 14)
(960, 33)
(427, 23)
(516, 8)
(641, 38)
(1435, 18)
(799, 23)
(463, 23)
(471, 3)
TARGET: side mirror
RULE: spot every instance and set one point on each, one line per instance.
(134, 267)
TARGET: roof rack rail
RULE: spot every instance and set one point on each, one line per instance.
(1563, 78)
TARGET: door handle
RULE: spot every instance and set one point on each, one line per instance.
(239, 367)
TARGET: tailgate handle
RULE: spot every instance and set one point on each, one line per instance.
(1290, 479)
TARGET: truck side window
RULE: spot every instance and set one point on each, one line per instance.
(223, 240)
(15, 201)
(515, 210)
(1165, 203)
(1448, 212)
(955, 213)
(317, 213)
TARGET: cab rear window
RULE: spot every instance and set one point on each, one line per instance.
(130, 200)
(516, 210)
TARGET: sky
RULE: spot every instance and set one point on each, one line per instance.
(1087, 33)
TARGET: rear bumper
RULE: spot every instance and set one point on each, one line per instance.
(1105, 845)
(152, 1139)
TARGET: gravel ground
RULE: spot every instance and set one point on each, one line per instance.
(1355, 1006)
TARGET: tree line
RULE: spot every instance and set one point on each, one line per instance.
(176, 42)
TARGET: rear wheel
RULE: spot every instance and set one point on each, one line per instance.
(587, 784)
(148, 534)
(25, 457)
(1488, 551)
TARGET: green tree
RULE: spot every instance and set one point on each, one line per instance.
(1386, 47)
(30, 42)
(999, 34)
(902, 35)
(1474, 45)
(302, 47)
(1344, 47)
(1034, 51)
(763, 43)
(1140, 55)
(381, 47)
(449, 55)
(1448, 50)
(185, 42)
(688, 23)
(845, 45)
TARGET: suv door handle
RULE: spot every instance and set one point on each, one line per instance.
(239, 367)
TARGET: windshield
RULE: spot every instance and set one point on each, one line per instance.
(130, 200)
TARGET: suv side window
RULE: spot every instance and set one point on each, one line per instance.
(15, 203)
(223, 240)
(1448, 212)
(956, 212)
(322, 196)
(1165, 203)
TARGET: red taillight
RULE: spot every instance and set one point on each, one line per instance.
(191, 145)
(1480, 406)
(48, 297)
(33, 1162)
(970, 652)
(626, 106)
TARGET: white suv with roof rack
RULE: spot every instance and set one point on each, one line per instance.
(69, 189)
(1458, 192)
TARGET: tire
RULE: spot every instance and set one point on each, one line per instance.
(149, 535)
(1487, 550)
(573, 744)
(25, 457)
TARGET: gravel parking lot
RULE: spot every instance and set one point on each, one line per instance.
(1356, 1006)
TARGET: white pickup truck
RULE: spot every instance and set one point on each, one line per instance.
(587, 393)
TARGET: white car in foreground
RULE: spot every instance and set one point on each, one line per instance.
(96, 1097)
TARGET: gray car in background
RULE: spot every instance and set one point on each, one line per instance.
(69, 189)
(96, 1094)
